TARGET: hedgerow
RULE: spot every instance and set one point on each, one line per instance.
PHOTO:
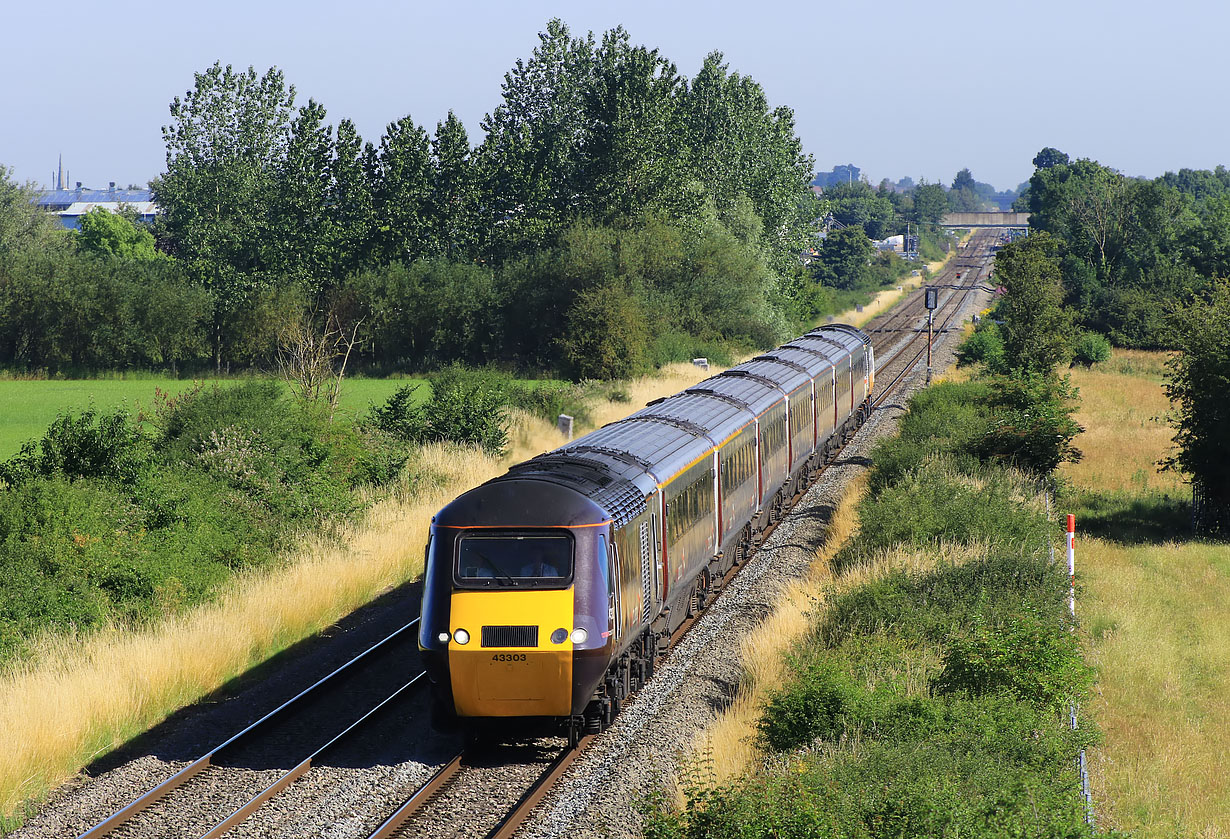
(110, 519)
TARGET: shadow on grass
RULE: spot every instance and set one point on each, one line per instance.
(1133, 519)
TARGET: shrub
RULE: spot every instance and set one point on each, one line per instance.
(1031, 424)
(399, 415)
(985, 346)
(1091, 348)
(947, 418)
(89, 445)
(607, 334)
(1031, 659)
(820, 701)
(930, 607)
(466, 406)
(941, 501)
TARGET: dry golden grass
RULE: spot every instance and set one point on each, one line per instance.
(1157, 624)
(669, 380)
(1124, 415)
(1158, 621)
(78, 698)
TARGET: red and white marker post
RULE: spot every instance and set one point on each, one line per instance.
(1071, 567)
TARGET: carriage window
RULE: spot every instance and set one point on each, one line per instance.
(738, 464)
(515, 560)
(691, 505)
(772, 435)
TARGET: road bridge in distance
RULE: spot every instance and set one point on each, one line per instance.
(975, 221)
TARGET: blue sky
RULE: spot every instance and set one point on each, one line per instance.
(897, 88)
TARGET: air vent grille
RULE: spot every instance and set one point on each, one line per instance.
(510, 636)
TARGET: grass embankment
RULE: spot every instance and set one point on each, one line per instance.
(926, 692)
(76, 698)
(1155, 611)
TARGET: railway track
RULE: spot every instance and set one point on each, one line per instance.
(226, 785)
(215, 794)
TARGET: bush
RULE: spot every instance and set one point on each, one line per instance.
(1027, 658)
(941, 501)
(931, 607)
(607, 335)
(1031, 424)
(466, 406)
(88, 445)
(948, 419)
(1091, 348)
(399, 415)
(984, 346)
(820, 701)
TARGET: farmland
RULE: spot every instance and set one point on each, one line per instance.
(27, 406)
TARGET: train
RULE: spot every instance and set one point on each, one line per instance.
(550, 591)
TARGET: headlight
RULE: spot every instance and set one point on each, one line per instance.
(461, 636)
(559, 636)
(579, 636)
(443, 637)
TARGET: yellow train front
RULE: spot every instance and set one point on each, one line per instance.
(516, 601)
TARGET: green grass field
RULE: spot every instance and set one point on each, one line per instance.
(28, 407)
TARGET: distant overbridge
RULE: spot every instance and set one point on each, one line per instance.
(971, 221)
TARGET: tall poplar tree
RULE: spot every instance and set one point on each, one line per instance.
(350, 201)
(226, 139)
(401, 189)
(453, 205)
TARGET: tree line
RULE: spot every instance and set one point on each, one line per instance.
(608, 187)
(1138, 263)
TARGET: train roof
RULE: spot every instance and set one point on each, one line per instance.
(787, 375)
(748, 390)
(839, 333)
(709, 413)
(812, 362)
(819, 343)
(847, 329)
(524, 499)
(666, 444)
(609, 472)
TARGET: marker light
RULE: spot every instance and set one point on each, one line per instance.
(559, 636)
(579, 635)
(443, 637)
(461, 636)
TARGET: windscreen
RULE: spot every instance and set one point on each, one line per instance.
(515, 560)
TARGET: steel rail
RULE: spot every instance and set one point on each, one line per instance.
(155, 794)
(435, 784)
(306, 764)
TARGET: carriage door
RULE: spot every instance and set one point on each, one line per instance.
(647, 565)
(615, 577)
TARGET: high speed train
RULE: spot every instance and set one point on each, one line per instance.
(550, 590)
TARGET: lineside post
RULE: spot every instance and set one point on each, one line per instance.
(1083, 765)
(931, 298)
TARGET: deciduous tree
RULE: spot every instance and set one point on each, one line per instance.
(1037, 330)
(1198, 385)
